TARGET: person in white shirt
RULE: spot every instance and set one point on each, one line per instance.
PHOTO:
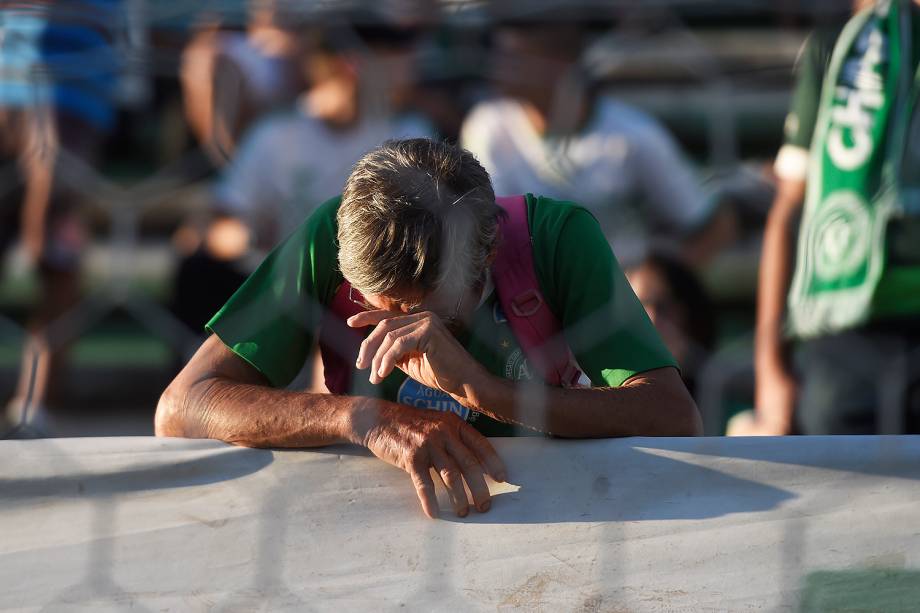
(548, 133)
(292, 161)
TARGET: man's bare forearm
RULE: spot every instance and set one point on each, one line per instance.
(775, 389)
(258, 416)
(219, 396)
(651, 404)
(775, 273)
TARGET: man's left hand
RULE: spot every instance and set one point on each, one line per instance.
(420, 345)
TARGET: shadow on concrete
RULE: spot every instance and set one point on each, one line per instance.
(223, 464)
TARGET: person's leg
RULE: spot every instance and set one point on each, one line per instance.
(63, 239)
(11, 197)
(30, 144)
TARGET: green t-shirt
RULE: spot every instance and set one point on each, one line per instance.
(272, 320)
(898, 291)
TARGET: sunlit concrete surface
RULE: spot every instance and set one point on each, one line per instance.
(618, 525)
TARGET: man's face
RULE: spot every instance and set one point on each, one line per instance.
(454, 308)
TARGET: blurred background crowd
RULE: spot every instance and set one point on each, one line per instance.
(152, 152)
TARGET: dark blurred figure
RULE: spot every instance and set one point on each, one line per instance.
(291, 162)
(551, 132)
(849, 184)
(680, 309)
(230, 79)
(58, 70)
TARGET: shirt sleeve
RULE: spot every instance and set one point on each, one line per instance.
(803, 108)
(666, 184)
(811, 64)
(604, 322)
(272, 319)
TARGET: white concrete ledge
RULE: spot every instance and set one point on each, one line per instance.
(630, 524)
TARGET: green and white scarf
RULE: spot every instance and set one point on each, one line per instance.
(853, 172)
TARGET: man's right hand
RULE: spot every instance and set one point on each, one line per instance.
(417, 440)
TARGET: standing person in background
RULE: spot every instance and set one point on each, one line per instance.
(548, 132)
(291, 162)
(58, 70)
(853, 304)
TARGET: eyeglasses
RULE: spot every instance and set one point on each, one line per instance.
(452, 322)
(358, 298)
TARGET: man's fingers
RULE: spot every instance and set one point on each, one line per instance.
(389, 339)
(424, 487)
(393, 349)
(370, 344)
(472, 473)
(372, 318)
(368, 318)
(453, 481)
(485, 453)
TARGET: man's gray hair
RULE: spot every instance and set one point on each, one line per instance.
(416, 215)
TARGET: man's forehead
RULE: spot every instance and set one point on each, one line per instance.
(396, 301)
(436, 300)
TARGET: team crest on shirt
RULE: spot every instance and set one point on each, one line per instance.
(516, 366)
(414, 394)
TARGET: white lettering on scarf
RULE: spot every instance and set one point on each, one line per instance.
(863, 91)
